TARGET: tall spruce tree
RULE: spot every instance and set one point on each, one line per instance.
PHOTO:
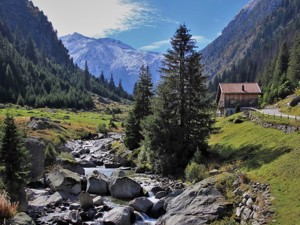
(141, 108)
(182, 119)
(14, 158)
(86, 77)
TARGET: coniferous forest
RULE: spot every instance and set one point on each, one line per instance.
(272, 56)
(35, 67)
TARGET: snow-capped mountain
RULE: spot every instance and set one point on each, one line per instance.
(112, 57)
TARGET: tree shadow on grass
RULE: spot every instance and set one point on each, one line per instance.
(251, 156)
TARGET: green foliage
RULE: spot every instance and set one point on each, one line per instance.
(50, 154)
(181, 120)
(39, 72)
(195, 172)
(67, 157)
(14, 158)
(102, 128)
(141, 109)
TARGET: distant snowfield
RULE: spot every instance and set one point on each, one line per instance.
(112, 57)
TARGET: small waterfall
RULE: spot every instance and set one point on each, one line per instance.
(143, 219)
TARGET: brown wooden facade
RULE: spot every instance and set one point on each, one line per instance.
(231, 95)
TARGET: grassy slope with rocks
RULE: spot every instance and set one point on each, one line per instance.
(68, 124)
(266, 155)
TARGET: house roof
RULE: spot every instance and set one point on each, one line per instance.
(239, 88)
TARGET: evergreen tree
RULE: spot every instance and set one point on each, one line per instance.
(141, 109)
(182, 119)
(111, 83)
(30, 52)
(294, 63)
(14, 158)
(86, 77)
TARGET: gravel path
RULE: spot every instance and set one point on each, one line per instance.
(276, 112)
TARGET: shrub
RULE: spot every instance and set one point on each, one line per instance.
(50, 154)
(195, 172)
(65, 156)
(101, 128)
(7, 209)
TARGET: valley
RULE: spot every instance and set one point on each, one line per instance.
(94, 131)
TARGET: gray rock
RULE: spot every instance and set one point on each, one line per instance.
(22, 219)
(246, 214)
(200, 204)
(74, 217)
(158, 209)
(43, 200)
(86, 201)
(74, 206)
(249, 203)
(64, 180)
(98, 201)
(141, 204)
(97, 184)
(36, 149)
(119, 216)
(161, 194)
(118, 173)
(238, 212)
(124, 188)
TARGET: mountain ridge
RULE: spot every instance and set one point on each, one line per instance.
(112, 57)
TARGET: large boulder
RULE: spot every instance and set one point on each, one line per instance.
(119, 216)
(86, 201)
(141, 204)
(36, 149)
(97, 184)
(22, 219)
(124, 188)
(64, 180)
(45, 199)
(200, 204)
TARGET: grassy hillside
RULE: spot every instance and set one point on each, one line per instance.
(67, 124)
(266, 155)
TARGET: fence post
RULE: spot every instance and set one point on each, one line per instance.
(288, 116)
(281, 116)
(274, 115)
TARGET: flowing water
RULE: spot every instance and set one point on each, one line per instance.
(142, 218)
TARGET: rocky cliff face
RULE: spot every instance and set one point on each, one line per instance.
(111, 57)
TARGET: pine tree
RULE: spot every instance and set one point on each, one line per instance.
(294, 63)
(86, 77)
(111, 83)
(141, 109)
(30, 51)
(15, 159)
(181, 120)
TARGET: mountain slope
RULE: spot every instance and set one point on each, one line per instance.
(111, 57)
(35, 68)
(238, 37)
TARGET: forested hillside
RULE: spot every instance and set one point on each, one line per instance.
(35, 68)
(264, 52)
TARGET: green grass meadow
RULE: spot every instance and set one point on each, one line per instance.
(266, 155)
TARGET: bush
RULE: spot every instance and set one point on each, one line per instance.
(7, 209)
(101, 128)
(50, 154)
(195, 172)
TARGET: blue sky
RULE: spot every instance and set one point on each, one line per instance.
(143, 24)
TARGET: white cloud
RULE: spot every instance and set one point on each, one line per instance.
(201, 40)
(98, 18)
(155, 45)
